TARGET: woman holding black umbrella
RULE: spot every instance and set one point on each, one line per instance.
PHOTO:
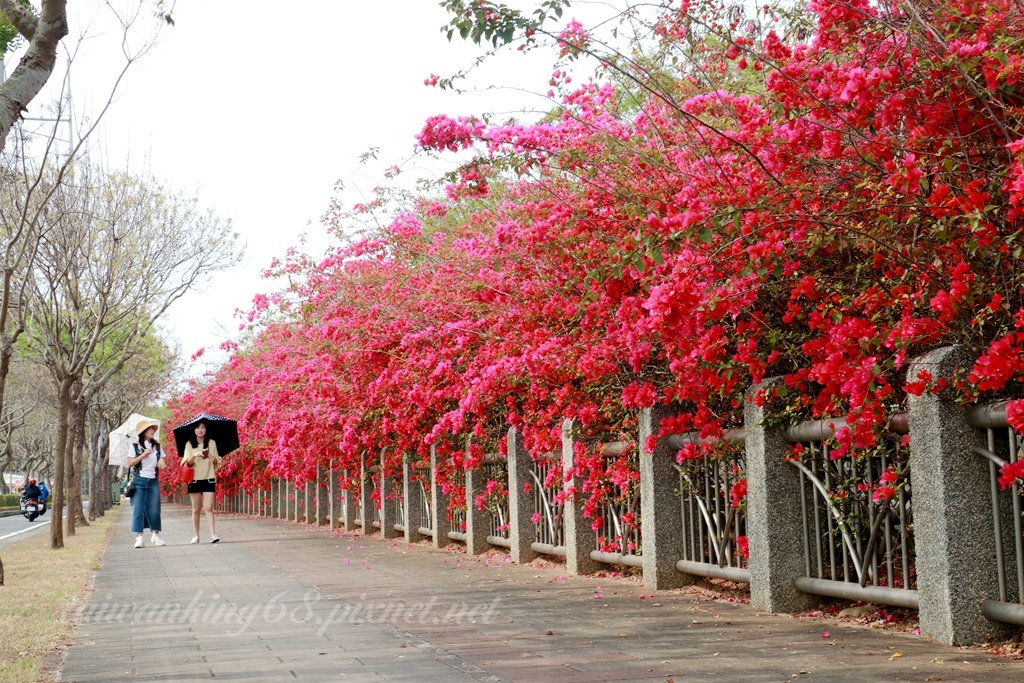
(202, 456)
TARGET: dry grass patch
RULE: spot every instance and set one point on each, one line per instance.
(42, 589)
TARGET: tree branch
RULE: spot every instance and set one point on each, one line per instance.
(20, 17)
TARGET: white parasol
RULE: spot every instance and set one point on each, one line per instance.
(122, 438)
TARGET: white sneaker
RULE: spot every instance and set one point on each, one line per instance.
(195, 539)
(159, 540)
(138, 542)
(215, 539)
(152, 538)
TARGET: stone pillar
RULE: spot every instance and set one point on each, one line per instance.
(388, 504)
(413, 501)
(333, 496)
(300, 507)
(953, 528)
(661, 528)
(275, 498)
(522, 531)
(438, 504)
(310, 500)
(289, 500)
(478, 526)
(580, 539)
(366, 498)
(349, 500)
(323, 496)
(774, 523)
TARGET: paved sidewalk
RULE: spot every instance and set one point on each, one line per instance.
(278, 601)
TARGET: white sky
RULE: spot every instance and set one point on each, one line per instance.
(262, 106)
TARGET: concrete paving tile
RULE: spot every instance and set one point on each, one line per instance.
(278, 568)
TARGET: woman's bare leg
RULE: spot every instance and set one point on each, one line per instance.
(208, 508)
(197, 508)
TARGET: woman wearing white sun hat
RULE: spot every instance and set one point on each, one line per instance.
(146, 463)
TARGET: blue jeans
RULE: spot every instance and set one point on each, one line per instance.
(146, 505)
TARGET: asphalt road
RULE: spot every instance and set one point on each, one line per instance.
(16, 528)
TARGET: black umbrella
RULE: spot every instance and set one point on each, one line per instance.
(222, 430)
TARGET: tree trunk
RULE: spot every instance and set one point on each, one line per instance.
(95, 504)
(104, 473)
(97, 501)
(60, 456)
(44, 35)
(71, 484)
(99, 487)
(77, 453)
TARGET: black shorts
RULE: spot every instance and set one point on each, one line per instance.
(203, 486)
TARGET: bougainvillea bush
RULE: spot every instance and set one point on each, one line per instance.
(818, 192)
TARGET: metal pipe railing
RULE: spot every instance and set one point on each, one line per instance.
(851, 538)
(991, 418)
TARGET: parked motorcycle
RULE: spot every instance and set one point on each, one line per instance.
(32, 508)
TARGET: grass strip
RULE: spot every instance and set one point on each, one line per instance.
(41, 591)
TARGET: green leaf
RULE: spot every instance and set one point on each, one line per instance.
(705, 236)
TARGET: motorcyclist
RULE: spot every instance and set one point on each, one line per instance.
(31, 490)
(44, 492)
